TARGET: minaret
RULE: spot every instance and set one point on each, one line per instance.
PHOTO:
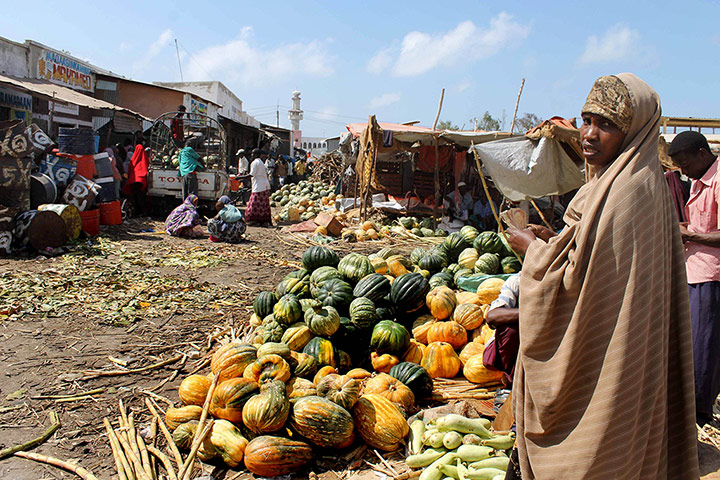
(295, 115)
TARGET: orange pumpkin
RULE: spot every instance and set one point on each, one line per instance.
(358, 374)
(414, 353)
(299, 387)
(230, 360)
(440, 360)
(450, 332)
(194, 389)
(270, 367)
(380, 265)
(470, 350)
(396, 265)
(469, 315)
(339, 389)
(441, 301)
(421, 326)
(390, 388)
(483, 334)
(468, 297)
(476, 372)
(379, 422)
(323, 372)
(384, 362)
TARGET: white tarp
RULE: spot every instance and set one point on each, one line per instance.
(522, 168)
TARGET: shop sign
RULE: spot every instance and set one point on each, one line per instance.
(62, 70)
(66, 108)
(15, 100)
(197, 108)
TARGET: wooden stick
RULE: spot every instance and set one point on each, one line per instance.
(190, 460)
(134, 460)
(547, 224)
(517, 104)
(55, 424)
(123, 467)
(72, 395)
(90, 374)
(437, 162)
(164, 460)
(56, 462)
(394, 472)
(168, 436)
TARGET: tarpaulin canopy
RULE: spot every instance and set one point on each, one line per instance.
(522, 168)
(58, 93)
(424, 136)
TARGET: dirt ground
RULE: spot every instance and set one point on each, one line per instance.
(135, 297)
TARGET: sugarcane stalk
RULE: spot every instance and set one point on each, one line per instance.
(168, 436)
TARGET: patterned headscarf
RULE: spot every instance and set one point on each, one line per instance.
(609, 98)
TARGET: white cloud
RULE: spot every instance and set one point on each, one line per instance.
(381, 61)
(462, 86)
(153, 51)
(618, 43)
(421, 52)
(242, 60)
(384, 100)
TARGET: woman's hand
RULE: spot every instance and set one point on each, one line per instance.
(520, 240)
(541, 232)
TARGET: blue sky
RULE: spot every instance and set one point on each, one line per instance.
(351, 59)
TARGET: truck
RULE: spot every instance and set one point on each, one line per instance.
(164, 180)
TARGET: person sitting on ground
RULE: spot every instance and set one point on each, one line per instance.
(482, 215)
(184, 220)
(228, 225)
(502, 349)
(462, 205)
(190, 164)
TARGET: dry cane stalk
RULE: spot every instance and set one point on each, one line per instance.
(132, 436)
(56, 462)
(123, 467)
(144, 456)
(190, 460)
(164, 460)
(137, 463)
(168, 436)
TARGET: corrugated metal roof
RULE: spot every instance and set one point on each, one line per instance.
(59, 93)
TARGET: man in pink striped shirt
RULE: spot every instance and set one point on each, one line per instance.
(701, 235)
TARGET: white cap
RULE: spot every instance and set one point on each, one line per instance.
(461, 184)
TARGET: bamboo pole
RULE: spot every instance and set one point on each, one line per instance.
(168, 436)
(125, 471)
(487, 194)
(517, 104)
(437, 161)
(542, 217)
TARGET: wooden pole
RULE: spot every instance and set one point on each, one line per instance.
(517, 104)
(542, 217)
(487, 193)
(437, 160)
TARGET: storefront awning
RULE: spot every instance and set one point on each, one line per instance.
(58, 93)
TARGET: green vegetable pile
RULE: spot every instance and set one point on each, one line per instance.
(457, 447)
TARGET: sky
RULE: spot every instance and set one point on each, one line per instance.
(392, 59)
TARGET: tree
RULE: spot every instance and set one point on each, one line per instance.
(526, 122)
(488, 123)
(446, 125)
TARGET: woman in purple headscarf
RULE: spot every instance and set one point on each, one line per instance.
(228, 225)
(182, 221)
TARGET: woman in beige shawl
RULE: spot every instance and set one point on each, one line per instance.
(604, 380)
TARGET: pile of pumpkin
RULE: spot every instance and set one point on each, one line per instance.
(304, 381)
(302, 201)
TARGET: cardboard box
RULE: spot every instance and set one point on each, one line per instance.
(333, 225)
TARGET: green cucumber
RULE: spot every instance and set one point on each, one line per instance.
(500, 442)
(474, 453)
(424, 459)
(462, 424)
(452, 440)
(484, 474)
(433, 471)
(492, 462)
(417, 428)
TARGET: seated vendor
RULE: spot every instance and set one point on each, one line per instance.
(482, 215)
(501, 351)
(228, 225)
(461, 207)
